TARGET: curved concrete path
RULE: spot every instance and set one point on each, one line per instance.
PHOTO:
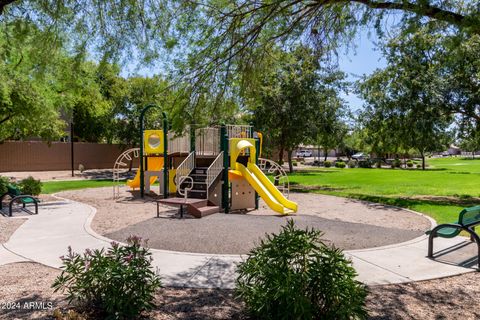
(44, 238)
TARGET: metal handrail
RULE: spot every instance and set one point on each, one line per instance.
(185, 167)
(186, 189)
(239, 131)
(279, 174)
(214, 170)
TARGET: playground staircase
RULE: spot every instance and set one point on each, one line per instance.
(199, 190)
(196, 207)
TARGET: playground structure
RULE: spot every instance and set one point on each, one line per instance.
(205, 170)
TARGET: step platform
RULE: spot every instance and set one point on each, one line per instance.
(196, 207)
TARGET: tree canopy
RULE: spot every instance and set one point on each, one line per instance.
(210, 42)
(293, 99)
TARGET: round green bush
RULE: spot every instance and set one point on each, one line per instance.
(30, 186)
(4, 182)
(365, 164)
(340, 164)
(397, 163)
(352, 164)
(327, 164)
(294, 163)
(419, 166)
(118, 282)
(294, 275)
(410, 163)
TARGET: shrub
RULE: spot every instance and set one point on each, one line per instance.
(327, 164)
(118, 282)
(294, 275)
(364, 164)
(81, 168)
(419, 166)
(378, 164)
(4, 182)
(30, 186)
(410, 163)
(352, 164)
(294, 163)
(340, 164)
(397, 163)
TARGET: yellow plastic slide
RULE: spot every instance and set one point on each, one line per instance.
(154, 164)
(266, 189)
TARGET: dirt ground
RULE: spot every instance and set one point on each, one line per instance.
(448, 298)
(8, 227)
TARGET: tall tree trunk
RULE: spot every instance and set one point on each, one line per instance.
(326, 154)
(290, 164)
(280, 155)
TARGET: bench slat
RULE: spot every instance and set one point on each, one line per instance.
(469, 215)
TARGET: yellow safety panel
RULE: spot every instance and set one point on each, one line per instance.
(172, 188)
(154, 164)
(153, 141)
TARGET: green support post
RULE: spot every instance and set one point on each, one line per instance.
(166, 165)
(226, 165)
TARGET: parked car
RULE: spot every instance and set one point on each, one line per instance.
(360, 156)
(304, 153)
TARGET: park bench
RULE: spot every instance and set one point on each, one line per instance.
(467, 220)
(16, 196)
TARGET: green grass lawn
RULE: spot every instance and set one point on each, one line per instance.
(455, 179)
(57, 186)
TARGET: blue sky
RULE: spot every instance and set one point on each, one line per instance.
(356, 63)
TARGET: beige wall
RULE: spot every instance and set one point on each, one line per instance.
(39, 156)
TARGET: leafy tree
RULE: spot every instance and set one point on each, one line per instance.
(29, 105)
(469, 137)
(352, 141)
(405, 101)
(331, 127)
(289, 103)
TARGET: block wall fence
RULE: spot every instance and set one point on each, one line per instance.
(40, 156)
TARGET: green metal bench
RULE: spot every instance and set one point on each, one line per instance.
(16, 196)
(467, 220)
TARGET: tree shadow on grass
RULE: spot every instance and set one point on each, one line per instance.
(300, 188)
(312, 172)
(405, 202)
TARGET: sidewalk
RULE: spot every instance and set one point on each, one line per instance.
(45, 237)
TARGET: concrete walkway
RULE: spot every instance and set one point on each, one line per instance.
(44, 238)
